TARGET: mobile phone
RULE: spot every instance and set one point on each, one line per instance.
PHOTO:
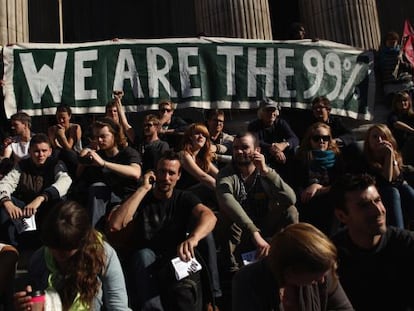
(86, 160)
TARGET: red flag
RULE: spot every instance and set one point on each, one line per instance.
(408, 41)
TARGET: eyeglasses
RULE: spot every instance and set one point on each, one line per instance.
(319, 107)
(148, 124)
(218, 121)
(318, 138)
(165, 110)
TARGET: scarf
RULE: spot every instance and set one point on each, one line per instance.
(323, 159)
(77, 304)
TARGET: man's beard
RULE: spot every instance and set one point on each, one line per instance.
(244, 160)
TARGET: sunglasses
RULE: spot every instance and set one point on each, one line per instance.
(318, 138)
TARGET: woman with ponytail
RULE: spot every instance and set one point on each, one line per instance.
(76, 263)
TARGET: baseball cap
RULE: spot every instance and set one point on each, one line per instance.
(269, 103)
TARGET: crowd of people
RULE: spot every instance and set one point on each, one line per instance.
(279, 217)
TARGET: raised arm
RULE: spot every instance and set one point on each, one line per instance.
(122, 215)
(129, 131)
(7, 150)
(404, 127)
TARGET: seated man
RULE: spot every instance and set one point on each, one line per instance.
(112, 171)
(172, 127)
(321, 112)
(31, 187)
(254, 201)
(151, 146)
(162, 218)
(277, 140)
(375, 261)
(221, 142)
(17, 147)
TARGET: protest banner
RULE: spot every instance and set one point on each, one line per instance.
(193, 72)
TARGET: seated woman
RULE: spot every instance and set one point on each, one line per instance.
(298, 274)
(75, 262)
(198, 174)
(318, 164)
(196, 160)
(115, 111)
(66, 138)
(401, 123)
(384, 161)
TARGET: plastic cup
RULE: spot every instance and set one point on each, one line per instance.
(38, 300)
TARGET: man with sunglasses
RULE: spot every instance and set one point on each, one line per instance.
(151, 147)
(221, 142)
(172, 126)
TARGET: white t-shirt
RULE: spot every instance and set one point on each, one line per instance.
(20, 149)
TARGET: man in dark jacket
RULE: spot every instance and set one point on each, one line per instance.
(276, 138)
(375, 261)
(31, 187)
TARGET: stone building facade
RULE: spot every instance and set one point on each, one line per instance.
(355, 22)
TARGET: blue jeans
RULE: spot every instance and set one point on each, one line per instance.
(142, 281)
(100, 197)
(8, 231)
(398, 199)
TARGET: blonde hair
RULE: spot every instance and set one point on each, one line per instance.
(371, 154)
(398, 98)
(305, 148)
(152, 118)
(301, 248)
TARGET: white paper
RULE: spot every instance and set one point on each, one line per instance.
(25, 224)
(185, 268)
(249, 257)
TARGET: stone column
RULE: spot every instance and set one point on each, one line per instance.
(248, 19)
(14, 22)
(353, 22)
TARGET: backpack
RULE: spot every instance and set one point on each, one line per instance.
(193, 293)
